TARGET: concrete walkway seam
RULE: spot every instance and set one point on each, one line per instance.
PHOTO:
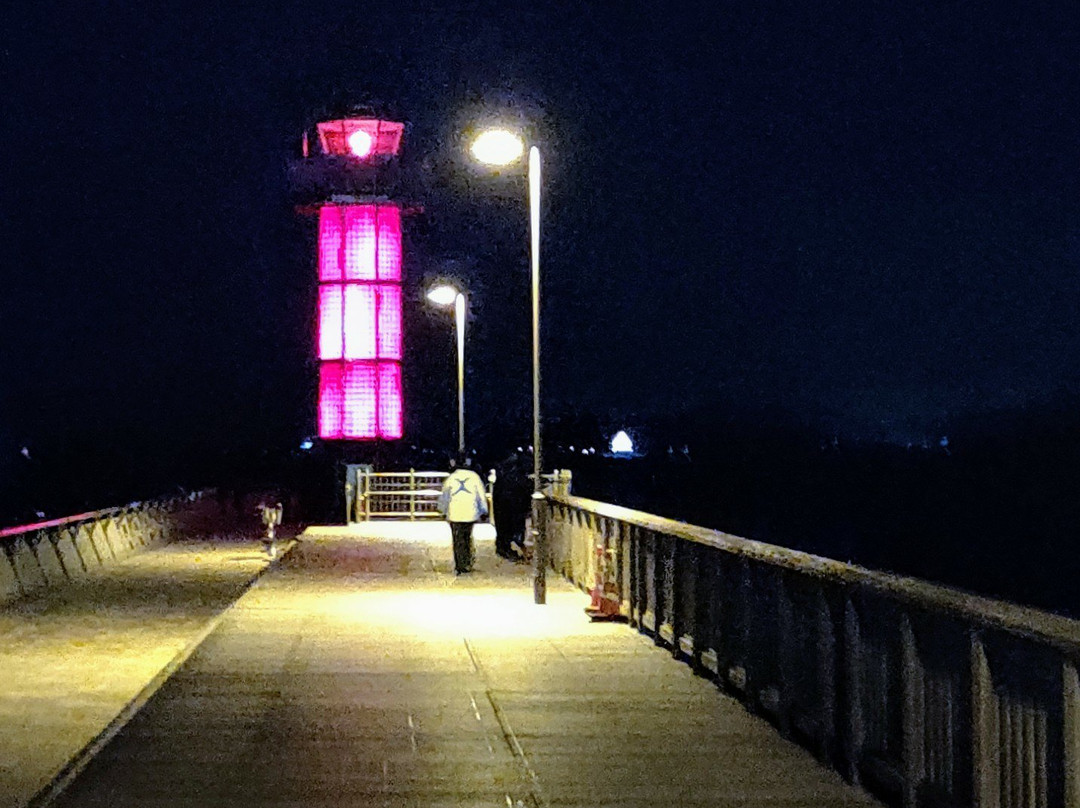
(48, 793)
(539, 799)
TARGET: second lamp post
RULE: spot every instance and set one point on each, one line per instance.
(446, 295)
(500, 147)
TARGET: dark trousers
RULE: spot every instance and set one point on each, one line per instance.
(509, 526)
(463, 545)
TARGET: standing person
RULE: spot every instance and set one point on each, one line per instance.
(512, 495)
(463, 502)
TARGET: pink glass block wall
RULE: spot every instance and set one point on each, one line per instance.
(359, 322)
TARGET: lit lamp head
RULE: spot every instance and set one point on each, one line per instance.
(361, 143)
(497, 147)
(443, 295)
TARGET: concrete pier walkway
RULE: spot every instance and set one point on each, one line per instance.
(74, 658)
(361, 671)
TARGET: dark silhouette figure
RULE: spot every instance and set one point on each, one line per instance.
(511, 496)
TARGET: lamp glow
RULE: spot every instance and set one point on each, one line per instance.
(497, 147)
(443, 295)
(361, 143)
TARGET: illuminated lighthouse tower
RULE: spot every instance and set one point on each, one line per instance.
(359, 335)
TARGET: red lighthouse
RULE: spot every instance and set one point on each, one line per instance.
(358, 341)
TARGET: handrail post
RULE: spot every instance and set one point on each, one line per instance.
(1071, 763)
(539, 528)
(853, 727)
(985, 775)
(913, 714)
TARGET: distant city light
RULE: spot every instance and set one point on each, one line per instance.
(361, 143)
(621, 443)
(307, 444)
(497, 147)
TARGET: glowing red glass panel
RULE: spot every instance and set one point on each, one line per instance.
(389, 243)
(334, 136)
(360, 401)
(331, 399)
(330, 226)
(390, 420)
(389, 318)
(331, 318)
(361, 321)
(360, 242)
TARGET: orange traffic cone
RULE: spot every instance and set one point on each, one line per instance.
(606, 601)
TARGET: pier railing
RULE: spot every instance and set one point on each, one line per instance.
(54, 552)
(925, 695)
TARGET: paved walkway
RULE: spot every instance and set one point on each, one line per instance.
(363, 672)
(73, 659)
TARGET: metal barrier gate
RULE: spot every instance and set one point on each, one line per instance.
(402, 494)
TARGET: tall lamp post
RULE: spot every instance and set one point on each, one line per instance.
(447, 295)
(500, 147)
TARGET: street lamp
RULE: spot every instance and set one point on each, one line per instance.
(447, 295)
(500, 147)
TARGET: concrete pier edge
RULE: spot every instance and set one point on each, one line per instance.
(48, 793)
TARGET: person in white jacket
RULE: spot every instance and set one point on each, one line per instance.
(463, 502)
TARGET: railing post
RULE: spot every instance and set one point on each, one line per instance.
(540, 542)
(914, 714)
(659, 600)
(985, 775)
(412, 495)
(702, 630)
(827, 675)
(1071, 733)
(853, 728)
(778, 695)
(677, 588)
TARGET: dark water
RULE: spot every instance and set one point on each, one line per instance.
(998, 516)
(999, 525)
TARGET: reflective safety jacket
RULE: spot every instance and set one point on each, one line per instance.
(462, 498)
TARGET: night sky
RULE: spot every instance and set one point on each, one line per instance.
(867, 213)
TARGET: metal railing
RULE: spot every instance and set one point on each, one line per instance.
(402, 494)
(925, 695)
(53, 552)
